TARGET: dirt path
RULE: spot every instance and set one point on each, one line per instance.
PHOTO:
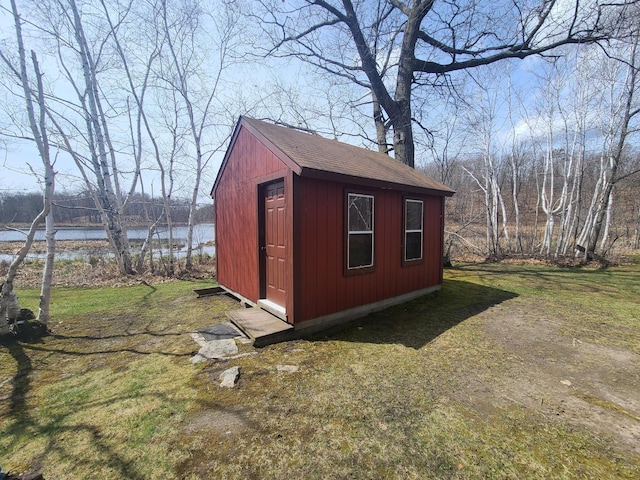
(562, 377)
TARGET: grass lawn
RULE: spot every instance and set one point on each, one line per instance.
(509, 371)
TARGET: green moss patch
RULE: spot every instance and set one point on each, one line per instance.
(501, 374)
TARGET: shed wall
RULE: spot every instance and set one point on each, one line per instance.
(248, 164)
(322, 288)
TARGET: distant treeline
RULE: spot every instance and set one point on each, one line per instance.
(79, 209)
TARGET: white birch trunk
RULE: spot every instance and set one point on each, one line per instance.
(49, 189)
(624, 108)
(516, 207)
(47, 273)
(503, 212)
(9, 306)
(547, 198)
(607, 223)
(102, 151)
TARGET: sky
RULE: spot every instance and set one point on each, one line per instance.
(17, 177)
(15, 156)
(20, 164)
(19, 159)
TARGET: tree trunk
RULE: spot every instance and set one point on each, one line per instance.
(100, 146)
(400, 115)
(609, 169)
(403, 147)
(49, 189)
(548, 199)
(47, 274)
(381, 128)
(9, 306)
(607, 224)
(601, 211)
(516, 206)
(192, 217)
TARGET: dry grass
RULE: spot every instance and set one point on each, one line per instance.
(101, 271)
(464, 383)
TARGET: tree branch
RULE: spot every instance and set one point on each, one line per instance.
(517, 51)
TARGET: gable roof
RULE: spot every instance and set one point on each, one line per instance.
(312, 155)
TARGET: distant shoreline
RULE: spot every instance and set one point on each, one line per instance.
(87, 226)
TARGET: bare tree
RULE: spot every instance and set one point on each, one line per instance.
(425, 39)
(483, 101)
(82, 61)
(36, 112)
(621, 76)
(141, 125)
(138, 89)
(548, 111)
(576, 122)
(183, 72)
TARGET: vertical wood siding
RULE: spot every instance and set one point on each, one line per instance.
(316, 284)
(322, 288)
(236, 210)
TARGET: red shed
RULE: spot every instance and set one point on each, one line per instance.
(317, 231)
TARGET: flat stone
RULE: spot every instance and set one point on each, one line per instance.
(219, 348)
(199, 339)
(229, 377)
(287, 368)
(197, 358)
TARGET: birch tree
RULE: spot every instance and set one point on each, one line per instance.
(550, 109)
(138, 58)
(183, 72)
(516, 156)
(35, 106)
(620, 80)
(577, 121)
(481, 115)
(81, 58)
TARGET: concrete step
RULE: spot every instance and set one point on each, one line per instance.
(261, 326)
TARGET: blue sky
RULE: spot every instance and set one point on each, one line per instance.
(313, 94)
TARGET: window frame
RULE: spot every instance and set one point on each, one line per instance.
(413, 261)
(348, 270)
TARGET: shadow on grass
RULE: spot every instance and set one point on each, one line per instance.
(21, 380)
(19, 410)
(418, 322)
(23, 424)
(572, 278)
(81, 345)
(55, 430)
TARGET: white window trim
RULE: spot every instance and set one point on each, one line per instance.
(355, 232)
(421, 230)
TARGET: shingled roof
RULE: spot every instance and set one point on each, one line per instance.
(314, 155)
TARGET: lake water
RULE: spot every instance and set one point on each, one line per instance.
(202, 233)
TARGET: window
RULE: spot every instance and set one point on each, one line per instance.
(359, 246)
(413, 214)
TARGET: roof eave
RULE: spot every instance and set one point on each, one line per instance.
(372, 182)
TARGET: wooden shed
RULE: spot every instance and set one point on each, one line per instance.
(317, 232)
